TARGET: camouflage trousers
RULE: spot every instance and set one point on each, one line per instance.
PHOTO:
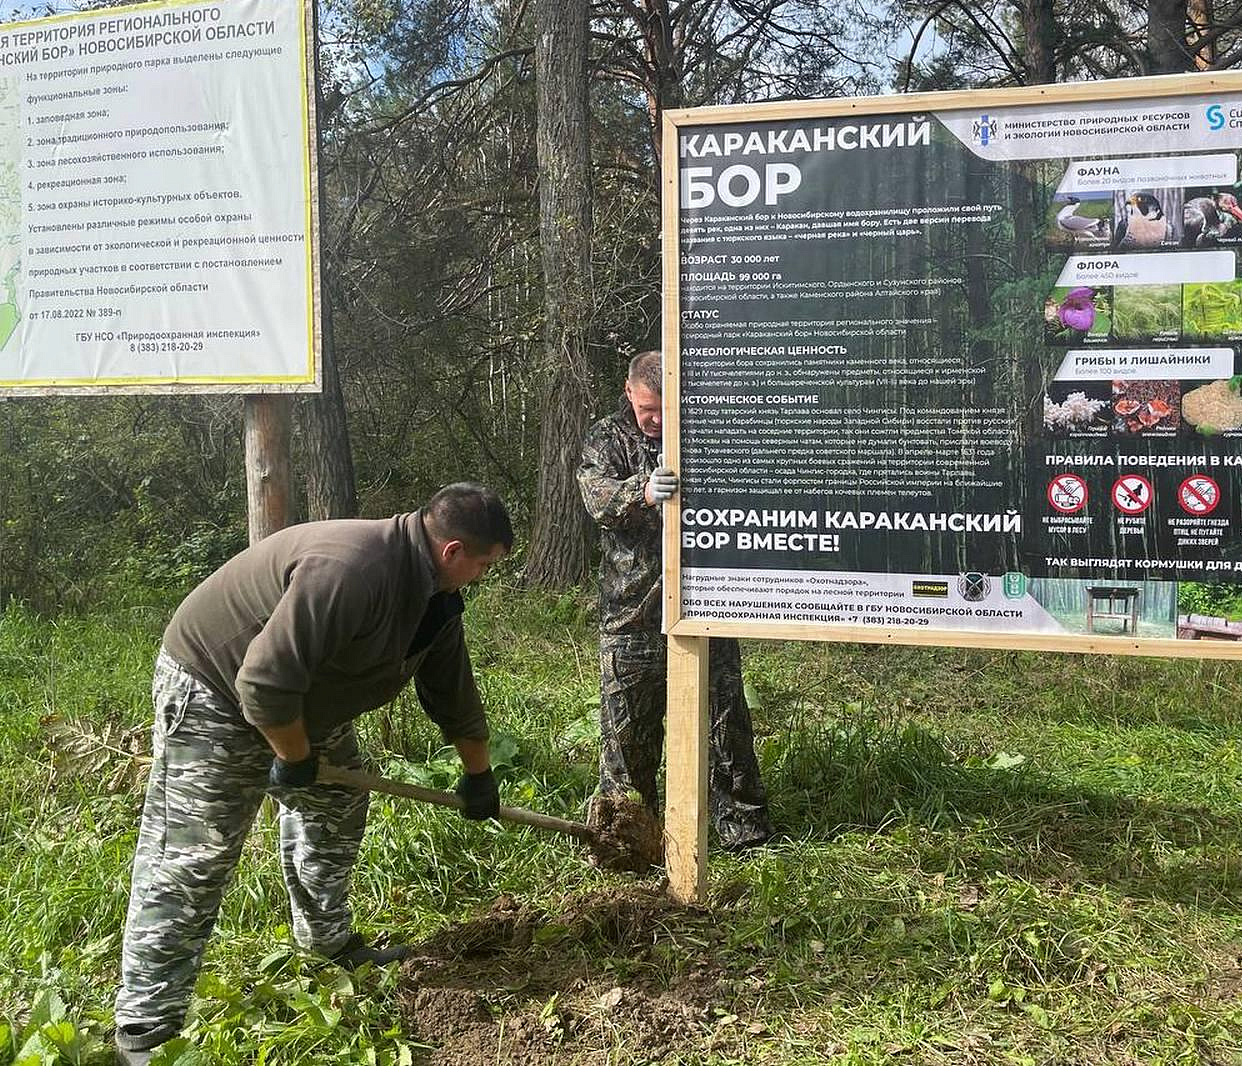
(208, 776)
(633, 703)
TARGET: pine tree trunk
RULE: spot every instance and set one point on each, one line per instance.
(1039, 41)
(559, 549)
(330, 487)
(331, 490)
(1167, 51)
(1202, 18)
(664, 88)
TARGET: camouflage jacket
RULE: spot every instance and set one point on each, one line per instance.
(617, 458)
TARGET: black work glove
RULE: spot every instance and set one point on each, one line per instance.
(480, 795)
(293, 774)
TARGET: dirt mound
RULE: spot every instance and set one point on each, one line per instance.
(623, 968)
(628, 837)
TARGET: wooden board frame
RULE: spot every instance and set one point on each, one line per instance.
(310, 126)
(674, 121)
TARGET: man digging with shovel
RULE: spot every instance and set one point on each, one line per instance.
(263, 669)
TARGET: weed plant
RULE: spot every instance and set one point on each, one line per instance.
(988, 857)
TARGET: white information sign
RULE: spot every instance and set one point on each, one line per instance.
(157, 200)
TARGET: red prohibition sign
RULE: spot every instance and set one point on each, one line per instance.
(1198, 494)
(1132, 494)
(1067, 493)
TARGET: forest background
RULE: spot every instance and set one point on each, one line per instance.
(491, 255)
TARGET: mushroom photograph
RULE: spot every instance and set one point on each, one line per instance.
(1077, 409)
(1150, 408)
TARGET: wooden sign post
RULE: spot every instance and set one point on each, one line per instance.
(268, 483)
(685, 809)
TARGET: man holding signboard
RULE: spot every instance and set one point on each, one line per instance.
(263, 669)
(624, 483)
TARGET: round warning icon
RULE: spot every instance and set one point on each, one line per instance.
(1198, 494)
(1132, 494)
(1067, 493)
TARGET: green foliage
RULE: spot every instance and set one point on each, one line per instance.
(1031, 857)
(51, 1037)
(116, 498)
(1219, 601)
(294, 1010)
(1212, 310)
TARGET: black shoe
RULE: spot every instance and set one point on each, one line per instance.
(748, 842)
(356, 951)
(135, 1045)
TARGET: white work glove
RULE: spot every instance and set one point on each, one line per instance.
(662, 484)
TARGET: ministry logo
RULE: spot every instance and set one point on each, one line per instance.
(974, 587)
(983, 130)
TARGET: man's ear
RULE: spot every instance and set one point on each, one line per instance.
(450, 549)
(628, 393)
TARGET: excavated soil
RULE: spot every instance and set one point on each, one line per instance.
(628, 837)
(620, 968)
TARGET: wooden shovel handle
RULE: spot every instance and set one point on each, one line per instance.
(338, 775)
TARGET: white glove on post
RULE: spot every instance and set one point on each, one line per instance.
(662, 484)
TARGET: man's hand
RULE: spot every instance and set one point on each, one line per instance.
(480, 795)
(297, 774)
(661, 485)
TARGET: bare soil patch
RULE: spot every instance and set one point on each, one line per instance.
(621, 968)
(628, 837)
(1225, 977)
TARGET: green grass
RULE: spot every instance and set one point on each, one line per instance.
(989, 857)
(1143, 311)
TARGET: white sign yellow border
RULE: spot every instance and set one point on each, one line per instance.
(309, 380)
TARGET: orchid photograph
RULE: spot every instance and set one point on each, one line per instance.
(1080, 314)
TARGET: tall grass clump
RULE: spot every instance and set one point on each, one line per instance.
(1144, 311)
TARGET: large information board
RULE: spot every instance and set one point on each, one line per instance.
(959, 368)
(158, 200)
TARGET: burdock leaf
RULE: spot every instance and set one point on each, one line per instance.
(1003, 760)
(81, 749)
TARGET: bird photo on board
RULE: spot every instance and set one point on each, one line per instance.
(1142, 221)
(1211, 217)
(1081, 226)
(1079, 220)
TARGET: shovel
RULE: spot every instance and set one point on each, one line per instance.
(622, 848)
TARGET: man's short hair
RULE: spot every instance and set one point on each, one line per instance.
(647, 368)
(471, 513)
